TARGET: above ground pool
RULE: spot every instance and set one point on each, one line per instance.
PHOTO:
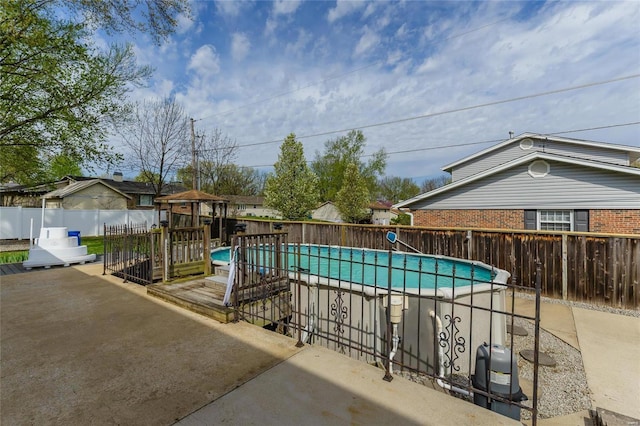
(339, 296)
(417, 273)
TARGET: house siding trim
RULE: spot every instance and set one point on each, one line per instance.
(425, 198)
(550, 138)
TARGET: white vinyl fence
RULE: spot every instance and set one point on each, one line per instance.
(16, 222)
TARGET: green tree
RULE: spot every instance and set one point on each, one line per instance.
(59, 94)
(353, 199)
(146, 177)
(401, 219)
(62, 165)
(395, 189)
(330, 166)
(293, 188)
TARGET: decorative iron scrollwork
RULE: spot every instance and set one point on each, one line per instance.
(340, 312)
(267, 290)
(452, 343)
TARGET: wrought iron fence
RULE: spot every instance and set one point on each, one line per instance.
(434, 317)
(132, 252)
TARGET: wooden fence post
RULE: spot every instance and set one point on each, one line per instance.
(565, 274)
(206, 247)
(165, 250)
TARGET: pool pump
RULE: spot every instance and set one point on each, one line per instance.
(497, 374)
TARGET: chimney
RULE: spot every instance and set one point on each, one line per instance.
(117, 176)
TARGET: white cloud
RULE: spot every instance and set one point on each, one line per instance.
(184, 23)
(205, 61)
(300, 44)
(304, 84)
(231, 8)
(344, 8)
(368, 41)
(285, 7)
(240, 46)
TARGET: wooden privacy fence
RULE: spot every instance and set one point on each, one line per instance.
(594, 268)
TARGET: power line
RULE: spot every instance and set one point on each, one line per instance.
(451, 111)
(431, 148)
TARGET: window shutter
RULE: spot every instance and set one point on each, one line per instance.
(530, 219)
(581, 220)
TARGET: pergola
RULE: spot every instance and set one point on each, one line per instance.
(195, 198)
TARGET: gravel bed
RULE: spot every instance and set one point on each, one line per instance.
(562, 389)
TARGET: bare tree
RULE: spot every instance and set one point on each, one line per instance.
(215, 152)
(158, 138)
(435, 183)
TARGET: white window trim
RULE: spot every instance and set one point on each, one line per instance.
(535, 174)
(526, 144)
(539, 218)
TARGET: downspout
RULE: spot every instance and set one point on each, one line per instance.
(441, 378)
(411, 216)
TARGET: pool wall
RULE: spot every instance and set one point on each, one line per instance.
(344, 318)
(439, 325)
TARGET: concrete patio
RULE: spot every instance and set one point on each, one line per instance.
(81, 348)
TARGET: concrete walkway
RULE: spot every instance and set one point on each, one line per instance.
(610, 346)
(610, 349)
(80, 348)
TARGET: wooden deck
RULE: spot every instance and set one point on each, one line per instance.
(203, 296)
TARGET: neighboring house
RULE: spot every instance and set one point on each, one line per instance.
(327, 212)
(539, 182)
(248, 205)
(87, 195)
(138, 195)
(380, 214)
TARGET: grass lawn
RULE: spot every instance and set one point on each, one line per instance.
(95, 245)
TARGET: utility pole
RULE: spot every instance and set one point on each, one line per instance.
(193, 155)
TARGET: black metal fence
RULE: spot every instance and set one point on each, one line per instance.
(132, 252)
(424, 316)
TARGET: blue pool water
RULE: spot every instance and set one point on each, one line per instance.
(371, 267)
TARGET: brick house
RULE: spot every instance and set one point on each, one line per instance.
(538, 182)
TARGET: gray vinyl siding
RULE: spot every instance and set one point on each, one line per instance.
(513, 151)
(567, 186)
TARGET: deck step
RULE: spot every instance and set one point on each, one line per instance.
(202, 296)
(222, 270)
(217, 280)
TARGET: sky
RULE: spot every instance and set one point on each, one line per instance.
(428, 82)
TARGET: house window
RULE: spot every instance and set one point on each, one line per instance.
(146, 200)
(539, 169)
(242, 206)
(526, 144)
(555, 220)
